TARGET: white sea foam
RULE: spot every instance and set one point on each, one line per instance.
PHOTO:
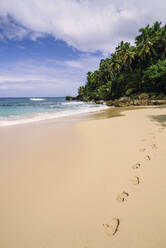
(72, 103)
(37, 99)
(49, 116)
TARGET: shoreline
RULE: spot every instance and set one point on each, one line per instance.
(44, 117)
(61, 182)
(103, 110)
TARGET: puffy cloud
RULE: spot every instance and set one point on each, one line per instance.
(86, 25)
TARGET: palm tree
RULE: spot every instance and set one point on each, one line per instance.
(161, 42)
(127, 54)
(146, 40)
(105, 72)
(116, 62)
(145, 48)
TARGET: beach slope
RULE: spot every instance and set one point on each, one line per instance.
(91, 184)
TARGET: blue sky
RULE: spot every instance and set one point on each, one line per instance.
(47, 47)
(43, 67)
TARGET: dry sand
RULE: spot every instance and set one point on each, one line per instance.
(92, 184)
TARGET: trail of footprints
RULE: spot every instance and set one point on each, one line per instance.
(112, 227)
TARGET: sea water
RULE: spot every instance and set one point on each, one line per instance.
(31, 109)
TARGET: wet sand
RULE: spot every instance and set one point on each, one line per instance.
(62, 185)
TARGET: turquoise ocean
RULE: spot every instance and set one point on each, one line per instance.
(14, 111)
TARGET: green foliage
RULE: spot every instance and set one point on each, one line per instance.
(130, 91)
(130, 70)
(104, 91)
(156, 71)
(154, 78)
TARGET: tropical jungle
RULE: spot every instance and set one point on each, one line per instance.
(132, 70)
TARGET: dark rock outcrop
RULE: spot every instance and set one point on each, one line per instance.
(99, 102)
(71, 98)
(128, 101)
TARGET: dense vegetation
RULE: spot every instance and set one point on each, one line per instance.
(131, 69)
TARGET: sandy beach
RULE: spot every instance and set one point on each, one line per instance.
(63, 185)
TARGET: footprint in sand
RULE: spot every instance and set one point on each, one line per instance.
(136, 166)
(135, 180)
(152, 135)
(154, 147)
(143, 140)
(111, 227)
(142, 150)
(122, 197)
(147, 157)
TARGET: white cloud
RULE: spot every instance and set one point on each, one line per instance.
(45, 78)
(74, 64)
(86, 25)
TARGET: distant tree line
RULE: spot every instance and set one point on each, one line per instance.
(131, 69)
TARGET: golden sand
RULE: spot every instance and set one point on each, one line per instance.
(59, 184)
